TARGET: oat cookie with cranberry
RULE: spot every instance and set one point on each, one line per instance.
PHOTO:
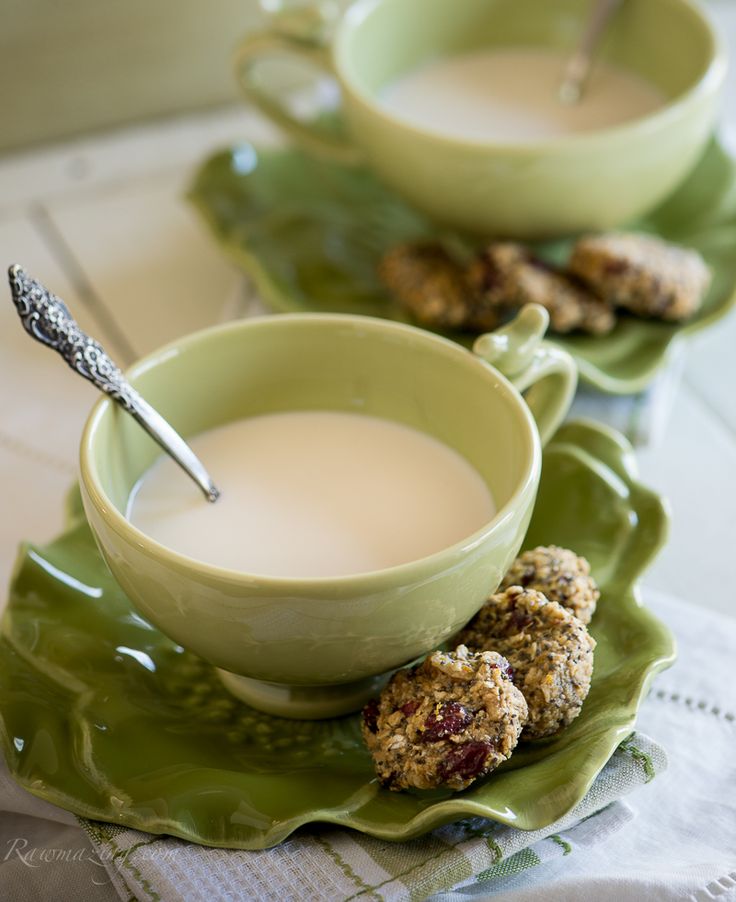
(642, 273)
(560, 575)
(432, 287)
(445, 722)
(506, 275)
(548, 648)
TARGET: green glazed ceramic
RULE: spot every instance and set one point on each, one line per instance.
(594, 180)
(314, 647)
(102, 714)
(311, 233)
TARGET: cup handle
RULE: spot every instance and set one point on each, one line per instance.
(544, 373)
(310, 45)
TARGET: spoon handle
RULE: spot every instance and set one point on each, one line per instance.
(578, 66)
(46, 318)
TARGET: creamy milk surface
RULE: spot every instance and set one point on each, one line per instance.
(511, 96)
(310, 494)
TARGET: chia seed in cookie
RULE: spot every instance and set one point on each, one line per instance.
(548, 648)
(560, 575)
(446, 722)
(642, 273)
(507, 275)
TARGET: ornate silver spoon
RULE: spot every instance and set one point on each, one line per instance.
(580, 63)
(46, 318)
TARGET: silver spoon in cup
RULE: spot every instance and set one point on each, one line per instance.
(577, 69)
(46, 318)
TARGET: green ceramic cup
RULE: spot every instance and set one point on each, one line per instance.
(317, 647)
(595, 180)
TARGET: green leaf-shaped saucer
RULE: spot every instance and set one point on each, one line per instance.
(310, 233)
(103, 715)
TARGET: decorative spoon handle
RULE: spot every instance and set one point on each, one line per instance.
(46, 318)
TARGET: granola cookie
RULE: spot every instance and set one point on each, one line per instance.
(549, 649)
(445, 722)
(560, 575)
(507, 275)
(642, 273)
(433, 288)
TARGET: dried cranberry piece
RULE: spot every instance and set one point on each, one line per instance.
(506, 669)
(518, 621)
(451, 719)
(538, 263)
(370, 715)
(408, 708)
(615, 267)
(491, 279)
(467, 760)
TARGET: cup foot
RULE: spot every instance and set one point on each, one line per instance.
(302, 702)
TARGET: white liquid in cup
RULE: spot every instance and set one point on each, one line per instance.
(511, 96)
(314, 494)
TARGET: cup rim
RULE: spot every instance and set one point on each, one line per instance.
(708, 83)
(366, 580)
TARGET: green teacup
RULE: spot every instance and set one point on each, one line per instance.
(315, 647)
(592, 180)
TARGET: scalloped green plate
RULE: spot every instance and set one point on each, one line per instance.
(310, 234)
(103, 715)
